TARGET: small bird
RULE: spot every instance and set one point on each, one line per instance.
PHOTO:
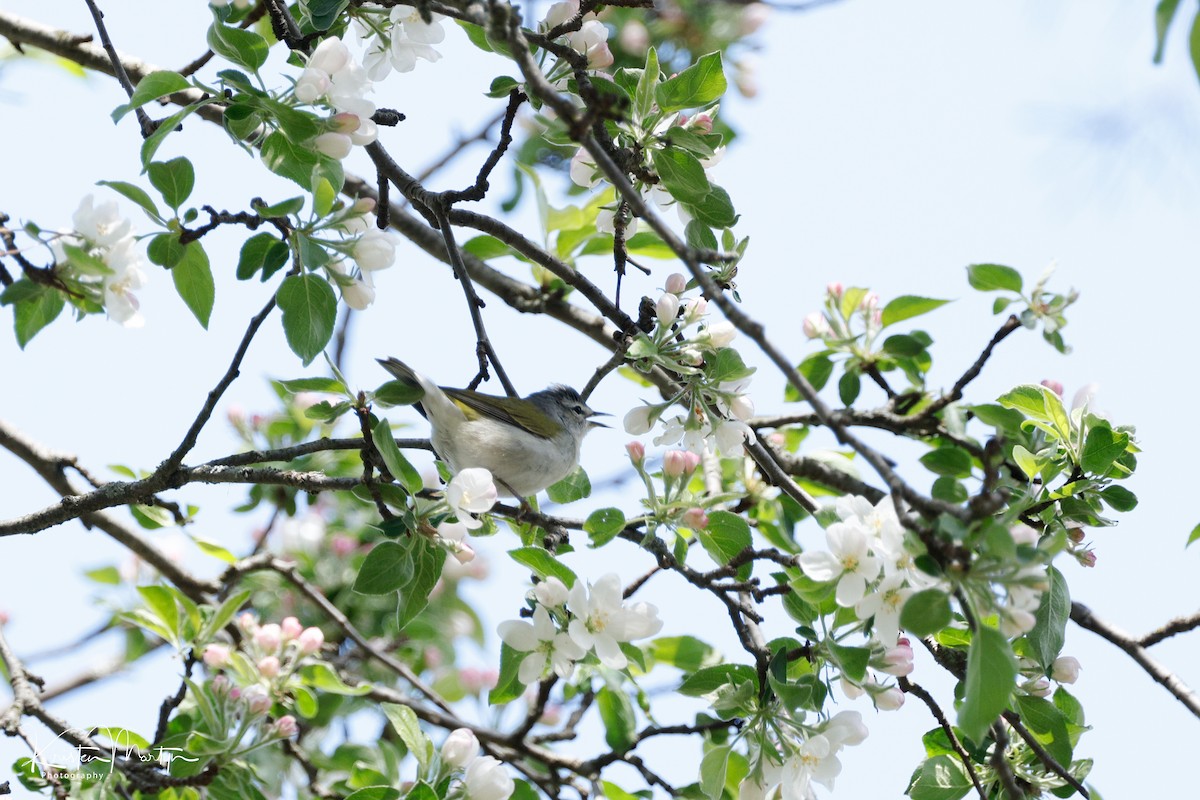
(526, 443)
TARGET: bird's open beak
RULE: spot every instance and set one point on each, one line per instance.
(595, 424)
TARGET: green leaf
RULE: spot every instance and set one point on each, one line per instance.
(210, 548)
(817, 370)
(685, 652)
(950, 460)
(242, 46)
(926, 612)
(508, 687)
(388, 567)
(394, 460)
(397, 393)
(991, 674)
(1193, 536)
(293, 161)
(647, 85)
(909, 306)
(428, 561)
(849, 386)
(135, 193)
(374, 793)
(165, 127)
(320, 675)
(681, 174)
(281, 209)
(713, 767)
(222, 615)
(502, 86)
(1101, 448)
(1164, 13)
(544, 564)
(35, 312)
(726, 365)
(161, 602)
(309, 309)
(1030, 464)
(1049, 632)
(404, 722)
(1048, 724)
(1119, 498)
(700, 235)
(151, 87)
(194, 281)
(705, 681)
(940, 778)
(994, 277)
(853, 660)
(697, 86)
(620, 721)
(715, 210)
(603, 525)
(727, 535)
(297, 385)
(261, 251)
(174, 180)
(575, 486)
(323, 13)
(1194, 43)
(166, 250)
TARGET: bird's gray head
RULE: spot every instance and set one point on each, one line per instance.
(564, 404)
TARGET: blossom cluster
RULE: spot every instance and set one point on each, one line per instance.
(590, 40)
(333, 77)
(683, 342)
(104, 253)
(484, 777)
(834, 325)
(796, 756)
(569, 623)
(396, 38)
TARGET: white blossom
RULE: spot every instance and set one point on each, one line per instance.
(471, 492)
(101, 225)
(375, 249)
(486, 779)
(460, 748)
(602, 621)
(848, 561)
(119, 301)
(545, 645)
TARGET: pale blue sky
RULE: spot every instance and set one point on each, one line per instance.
(891, 144)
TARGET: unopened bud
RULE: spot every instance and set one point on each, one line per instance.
(216, 656)
(286, 726)
(1065, 669)
(676, 283)
(345, 122)
(1053, 386)
(290, 628)
(667, 309)
(695, 518)
(269, 667)
(310, 640)
(637, 452)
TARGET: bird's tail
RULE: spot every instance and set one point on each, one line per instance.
(401, 371)
(432, 395)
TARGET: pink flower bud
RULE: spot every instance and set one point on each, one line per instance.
(675, 463)
(1038, 688)
(695, 518)
(235, 693)
(342, 545)
(269, 667)
(286, 726)
(835, 290)
(463, 553)
(220, 686)
(899, 660)
(637, 452)
(1065, 669)
(815, 326)
(345, 122)
(216, 656)
(475, 681)
(310, 640)
(1087, 558)
(703, 123)
(247, 622)
(290, 628)
(257, 700)
(269, 637)
(676, 283)
(1053, 386)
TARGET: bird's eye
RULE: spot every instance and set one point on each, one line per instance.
(580, 411)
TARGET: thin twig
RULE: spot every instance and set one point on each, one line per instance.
(147, 125)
